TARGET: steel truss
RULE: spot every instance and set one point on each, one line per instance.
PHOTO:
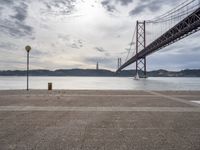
(140, 45)
(184, 28)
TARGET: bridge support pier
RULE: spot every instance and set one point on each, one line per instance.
(140, 45)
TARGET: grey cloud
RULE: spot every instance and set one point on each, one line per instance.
(15, 25)
(105, 2)
(186, 49)
(37, 52)
(177, 61)
(60, 3)
(151, 5)
(139, 9)
(107, 54)
(124, 2)
(77, 44)
(15, 29)
(59, 7)
(64, 37)
(100, 49)
(109, 7)
(70, 41)
(11, 62)
(6, 2)
(21, 12)
(53, 45)
(7, 46)
(80, 41)
(74, 45)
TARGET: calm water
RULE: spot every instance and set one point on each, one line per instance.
(113, 83)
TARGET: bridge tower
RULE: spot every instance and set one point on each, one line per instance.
(140, 45)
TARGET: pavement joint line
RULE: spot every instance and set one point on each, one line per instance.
(99, 109)
(83, 95)
(196, 101)
(174, 98)
(186, 96)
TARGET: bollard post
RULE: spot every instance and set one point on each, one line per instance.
(49, 86)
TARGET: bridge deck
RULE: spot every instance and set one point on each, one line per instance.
(181, 30)
(99, 120)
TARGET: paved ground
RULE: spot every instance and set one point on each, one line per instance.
(103, 120)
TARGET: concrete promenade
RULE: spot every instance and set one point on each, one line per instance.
(99, 120)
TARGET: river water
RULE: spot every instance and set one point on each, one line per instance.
(102, 83)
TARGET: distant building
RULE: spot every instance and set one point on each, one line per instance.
(97, 66)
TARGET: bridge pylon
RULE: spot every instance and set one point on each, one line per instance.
(140, 45)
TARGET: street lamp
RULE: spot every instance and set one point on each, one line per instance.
(28, 49)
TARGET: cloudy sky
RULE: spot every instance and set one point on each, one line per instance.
(78, 33)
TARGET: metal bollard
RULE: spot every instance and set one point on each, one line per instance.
(49, 86)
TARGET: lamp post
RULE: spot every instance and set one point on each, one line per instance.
(28, 49)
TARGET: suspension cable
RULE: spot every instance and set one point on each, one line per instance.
(132, 42)
(172, 11)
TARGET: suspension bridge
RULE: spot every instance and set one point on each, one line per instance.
(155, 34)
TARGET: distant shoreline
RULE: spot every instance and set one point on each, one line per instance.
(100, 73)
(101, 76)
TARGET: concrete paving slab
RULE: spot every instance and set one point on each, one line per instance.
(90, 101)
(100, 130)
(67, 120)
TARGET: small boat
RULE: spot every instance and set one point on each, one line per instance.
(137, 77)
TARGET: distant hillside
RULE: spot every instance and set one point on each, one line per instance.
(102, 73)
(61, 72)
(182, 73)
